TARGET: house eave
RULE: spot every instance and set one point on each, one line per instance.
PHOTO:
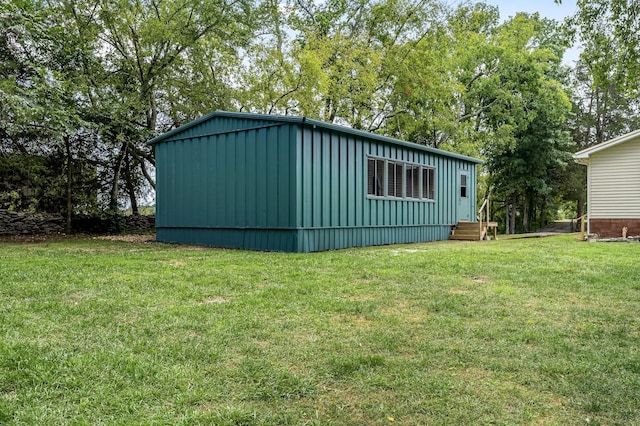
(586, 153)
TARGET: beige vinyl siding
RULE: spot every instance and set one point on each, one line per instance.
(614, 182)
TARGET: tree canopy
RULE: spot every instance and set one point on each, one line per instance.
(84, 83)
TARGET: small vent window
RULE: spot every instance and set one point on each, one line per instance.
(463, 186)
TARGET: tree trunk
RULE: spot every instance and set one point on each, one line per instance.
(580, 206)
(512, 212)
(113, 201)
(525, 216)
(507, 217)
(131, 190)
(67, 147)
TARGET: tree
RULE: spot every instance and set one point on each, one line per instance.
(336, 61)
(151, 53)
(605, 80)
(612, 25)
(40, 81)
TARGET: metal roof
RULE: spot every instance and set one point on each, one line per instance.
(312, 122)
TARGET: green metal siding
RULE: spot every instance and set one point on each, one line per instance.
(332, 180)
(230, 182)
(335, 238)
(291, 185)
(252, 239)
(220, 125)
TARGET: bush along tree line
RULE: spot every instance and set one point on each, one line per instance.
(84, 83)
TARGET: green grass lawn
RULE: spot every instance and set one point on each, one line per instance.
(535, 331)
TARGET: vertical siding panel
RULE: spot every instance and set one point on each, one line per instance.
(170, 199)
(267, 191)
(199, 192)
(433, 207)
(177, 177)
(273, 196)
(316, 175)
(367, 204)
(210, 167)
(184, 176)
(447, 205)
(160, 156)
(360, 192)
(251, 173)
(352, 166)
(215, 190)
(393, 218)
(335, 180)
(284, 177)
(299, 177)
(307, 179)
(241, 179)
(230, 182)
(198, 199)
(290, 145)
(263, 177)
(257, 165)
(343, 170)
(383, 208)
(402, 205)
(326, 179)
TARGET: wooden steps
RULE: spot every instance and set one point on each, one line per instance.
(472, 231)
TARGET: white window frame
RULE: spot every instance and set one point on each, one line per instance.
(405, 165)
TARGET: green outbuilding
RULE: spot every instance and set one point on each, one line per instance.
(268, 182)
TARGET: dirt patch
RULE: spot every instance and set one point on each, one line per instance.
(34, 238)
(214, 300)
(131, 238)
(43, 238)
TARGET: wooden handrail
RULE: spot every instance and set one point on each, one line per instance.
(582, 221)
(485, 204)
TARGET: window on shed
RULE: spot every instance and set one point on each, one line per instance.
(375, 178)
(463, 186)
(413, 181)
(429, 183)
(395, 179)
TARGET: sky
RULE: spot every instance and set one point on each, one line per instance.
(546, 8)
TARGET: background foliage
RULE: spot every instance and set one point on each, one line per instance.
(84, 83)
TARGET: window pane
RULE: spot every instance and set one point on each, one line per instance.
(428, 183)
(391, 190)
(432, 184)
(371, 176)
(463, 186)
(395, 179)
(380, 178)
(413, 181)
(375, 177)
(399, 180)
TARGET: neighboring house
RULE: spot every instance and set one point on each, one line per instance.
(293, 184)
(613, 185)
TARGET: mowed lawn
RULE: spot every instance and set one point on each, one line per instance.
(529, 331)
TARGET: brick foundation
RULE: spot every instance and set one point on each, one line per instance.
(611, 228)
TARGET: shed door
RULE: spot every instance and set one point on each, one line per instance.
(464, 193)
